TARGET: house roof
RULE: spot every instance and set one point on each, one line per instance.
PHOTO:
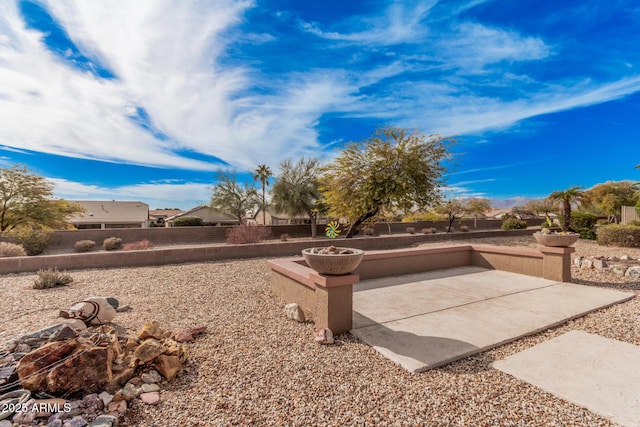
(207, 214)
(164, 213)
(110, 211)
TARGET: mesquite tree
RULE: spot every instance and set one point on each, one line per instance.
(395, 169)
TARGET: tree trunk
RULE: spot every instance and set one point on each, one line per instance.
(451, 220)
(355, 227)
(313, 227)
(475, 221)
(264, 220)
(567, 216)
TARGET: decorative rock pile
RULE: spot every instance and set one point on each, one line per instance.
(107, 370)
(621, 266)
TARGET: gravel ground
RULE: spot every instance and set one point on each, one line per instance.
(254, 367)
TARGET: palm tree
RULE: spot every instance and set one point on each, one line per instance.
(262, 174)
(296, 190)
(566, 197)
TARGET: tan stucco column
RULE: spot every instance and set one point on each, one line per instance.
(334, 301)
(556, 264)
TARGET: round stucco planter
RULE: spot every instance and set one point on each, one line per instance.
(556, 240)
(333, 264)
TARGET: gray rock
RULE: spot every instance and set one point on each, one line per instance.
(633, 272)
(10, 346)
(5, 423)
(123, 308)
(63, 333)
(625, 258)
(600, 264)
(55, 423)
(92, 403)
(24, 417)
(104, 421)
(151, 377)
(76, 421)
(148, 388)
(106, 397)
(578, 260)
(113, 302)
(294, 312)
(23, 348)
(618, 269)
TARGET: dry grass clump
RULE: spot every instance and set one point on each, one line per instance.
(11, 250)
(112, 243)
(51, 278)
(84, 245)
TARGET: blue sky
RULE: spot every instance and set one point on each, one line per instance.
(128, 100)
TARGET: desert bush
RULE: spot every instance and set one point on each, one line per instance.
(429, 230)
(11, 250)
(368, 231)
(112, 243)
(513, 223)
(619, 235)
(84, 245)
(34, 242)
(464, 228)
(635, 223)
(582, 220)
(284, 237)
(51, 278)
(188, 221)
(243, 234)
(411, 230)
(137, 246)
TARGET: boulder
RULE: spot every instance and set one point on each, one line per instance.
(153, 330)
(324, 336)
(168, 366)
(92, 311)
(633, 272)
(152, 398)
(148, 350)
(600, 264)
(618, 269)
(294, 312)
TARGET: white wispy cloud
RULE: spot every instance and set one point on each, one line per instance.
(169, 59)
(184, 195)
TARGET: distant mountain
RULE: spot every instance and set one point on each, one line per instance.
(509, 203)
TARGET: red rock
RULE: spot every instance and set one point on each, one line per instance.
(151, 398)
(188, 334)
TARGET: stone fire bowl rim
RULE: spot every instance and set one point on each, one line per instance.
(556, 240)
(355, 251)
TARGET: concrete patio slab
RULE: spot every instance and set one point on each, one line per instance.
(594, 372)
(422, 321)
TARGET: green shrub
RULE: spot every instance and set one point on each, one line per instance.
(34, 242)
(137, 246)
(464, 228)
(243, 234)
(513, 224)
(11, 250)
(411, 230)
(635, 223)
(51, 278)
(586, 233)
(84, 245)
(580, 220)
(619, 235)
(188, 221)
(112, 243)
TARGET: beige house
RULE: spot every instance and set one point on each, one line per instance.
(157, 217)
(278, 218)
(209, 216)
(111, 214)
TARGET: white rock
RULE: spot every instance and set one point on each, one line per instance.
(578, 260)
(618, 270)
(106, 397)
(625, 258)
(324, 336)
(294, 312)
(633, 272)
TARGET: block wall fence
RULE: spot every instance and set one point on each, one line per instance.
(214, 234)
